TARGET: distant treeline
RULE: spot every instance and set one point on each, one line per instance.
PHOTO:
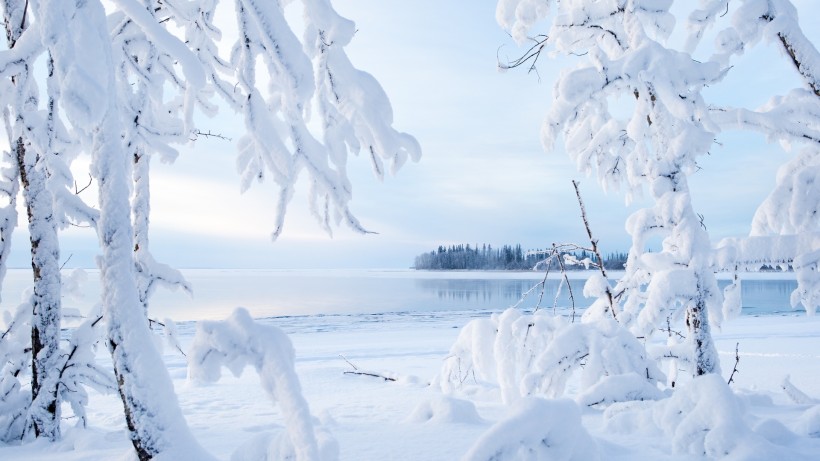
(508, 257)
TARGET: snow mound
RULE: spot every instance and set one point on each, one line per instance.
(809, 423)
(703, 417)
(444, 409)
(537, 430)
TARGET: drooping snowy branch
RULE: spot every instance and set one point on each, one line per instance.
(239, 341)
(303, 72)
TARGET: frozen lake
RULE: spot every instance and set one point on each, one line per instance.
(270, 293)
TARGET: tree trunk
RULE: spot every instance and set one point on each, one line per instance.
(45, 322)
(697, 322)
(44, 413)
(155, 422)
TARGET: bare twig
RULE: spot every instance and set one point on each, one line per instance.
(366, 373)
(569, 287)
(78, 191)
(737, 360)
(348, 362)
(595, 250)
(532, 54)
(543, 286)
(66, 261)
(198, 133)
(669, 331)
(356, 371)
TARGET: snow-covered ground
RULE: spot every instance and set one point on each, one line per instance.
(375, 419)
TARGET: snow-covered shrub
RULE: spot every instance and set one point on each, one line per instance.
(75, 368)
(537, 430)
(239, 341)
(79, 369)
(537, 354)
(15, 363)
(701, 418)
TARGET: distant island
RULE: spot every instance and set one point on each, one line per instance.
(508, 257)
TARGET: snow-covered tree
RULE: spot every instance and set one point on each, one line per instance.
(110, 74)
(632, 110)
(654, 146)
(39, 154)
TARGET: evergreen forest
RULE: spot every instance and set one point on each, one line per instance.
(506, 257)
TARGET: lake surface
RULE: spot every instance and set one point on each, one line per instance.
(269, 293)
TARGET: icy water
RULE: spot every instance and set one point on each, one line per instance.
(292, 293)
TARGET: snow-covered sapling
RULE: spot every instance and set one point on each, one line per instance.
(239, 341)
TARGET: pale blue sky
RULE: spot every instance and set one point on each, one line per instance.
(483, 178)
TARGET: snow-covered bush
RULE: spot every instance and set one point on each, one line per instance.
(702, 418)
(537, 430)
(537, 354)
(76, 370)
(239, 341)
(15, 360)
(78, 367)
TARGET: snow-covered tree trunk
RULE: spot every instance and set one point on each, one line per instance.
(76, 34)
(44, 413)
(154, 420)
(46, 306)
(149, 116)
